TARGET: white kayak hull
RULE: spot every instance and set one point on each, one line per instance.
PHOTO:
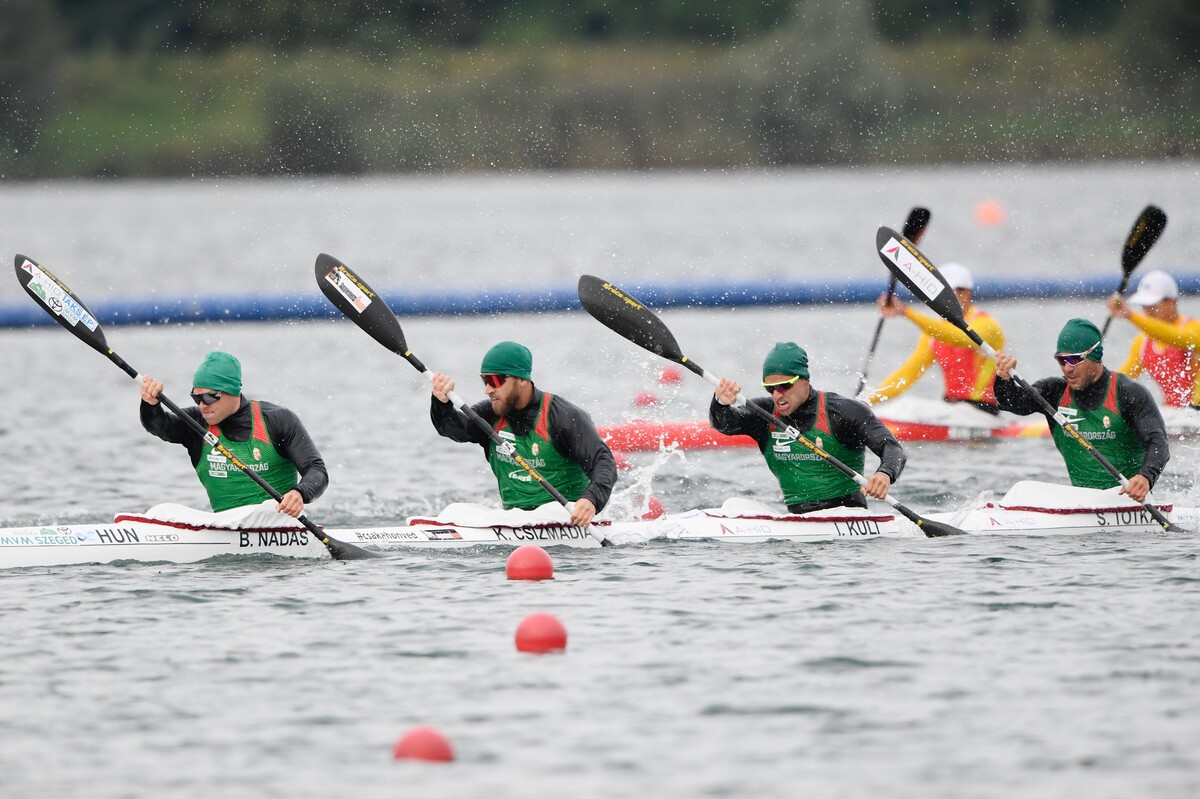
(175, 534)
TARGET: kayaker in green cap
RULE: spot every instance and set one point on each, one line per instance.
(266, 437)
(1113, 412)
(843, 427)
(554, 436)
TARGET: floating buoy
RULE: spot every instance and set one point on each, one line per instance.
(670, 375)
(644, 399)
(530, 562)
(623, 464)
(656, 509)
(541, 633)
(423, 743)
(989, 213)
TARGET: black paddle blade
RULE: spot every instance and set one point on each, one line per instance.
(1146, 230)
(918, 275)
(351, 295)
(627, 317)
(914, 226)
(60, 302)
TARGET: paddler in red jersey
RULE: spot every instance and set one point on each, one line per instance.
(967, 372)
(1167, 345)
(842, 427)
(554, 436)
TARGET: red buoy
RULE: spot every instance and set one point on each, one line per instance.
(530, 562)
(670, 375)
(541, 633)
(423, 743)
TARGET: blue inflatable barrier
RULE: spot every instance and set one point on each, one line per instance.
(709, 294)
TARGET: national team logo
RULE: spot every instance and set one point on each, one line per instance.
(820, 444)
(534, 449)
(1107, 422)
(257, 453)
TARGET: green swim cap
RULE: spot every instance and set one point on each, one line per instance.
(508, 358)
(786, 358)
(220, 371)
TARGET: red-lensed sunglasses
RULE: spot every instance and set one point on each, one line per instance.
(495, 381)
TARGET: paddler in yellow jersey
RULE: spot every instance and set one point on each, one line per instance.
(266, 437)
(553, 435)
(967, 372)
(1167, 345)
(842, 427)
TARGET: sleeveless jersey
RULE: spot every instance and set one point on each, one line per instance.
(1175, 369)
(968, 373)
(803, 475)
(517, 488)
(1107, 431)
(227, 487)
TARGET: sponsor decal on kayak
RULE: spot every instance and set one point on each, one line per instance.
(386, 535)
(445, 534)
(746, 529)
(274, 538)
(42, 536)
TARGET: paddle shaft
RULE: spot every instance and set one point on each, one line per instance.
(793, 433)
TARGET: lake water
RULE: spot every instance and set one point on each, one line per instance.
(982, 667)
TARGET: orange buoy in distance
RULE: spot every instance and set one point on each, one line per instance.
(989, 213)
(541, 633)
(670, 375)
(530, 562)
(423, 743)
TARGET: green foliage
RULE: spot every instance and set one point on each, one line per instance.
(29, 53)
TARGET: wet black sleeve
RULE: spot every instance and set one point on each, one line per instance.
(170, 428)
(734, 421)
(854, 425)
(1138, 408)
(1014, 399)
(292, 441)
(455, 425)
(575, 437)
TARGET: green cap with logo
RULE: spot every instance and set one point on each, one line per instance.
(220, 371)
(1080, 335)
(786, 358)
(508, 358)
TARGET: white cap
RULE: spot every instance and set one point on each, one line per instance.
(1154, 287)
(958, 276)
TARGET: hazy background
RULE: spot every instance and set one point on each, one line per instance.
(189, 88)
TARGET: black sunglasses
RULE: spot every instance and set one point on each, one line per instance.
(206, 397)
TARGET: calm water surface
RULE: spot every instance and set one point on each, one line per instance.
(980, 667)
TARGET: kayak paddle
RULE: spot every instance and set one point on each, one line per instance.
(351, 295)
(1146, 230)
(66, 309)
(624, 315)
(923, 279)
(914, 229)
